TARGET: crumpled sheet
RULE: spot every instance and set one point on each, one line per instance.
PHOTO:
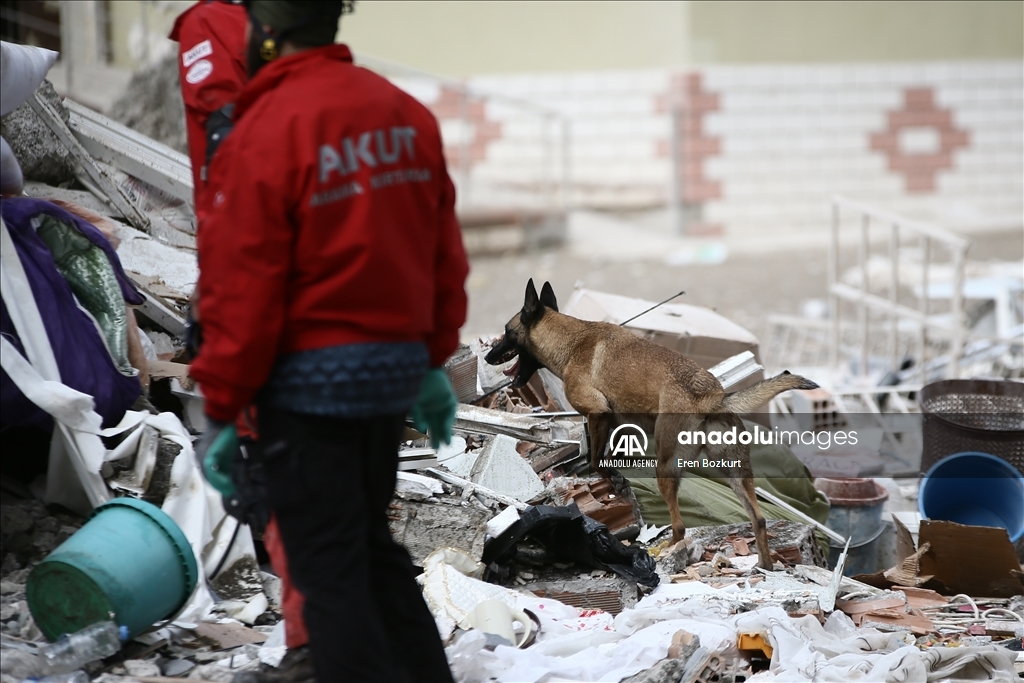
(804, 650)
(77, 452)
(591, 646)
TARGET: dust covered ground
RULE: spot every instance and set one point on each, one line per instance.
(747, 287)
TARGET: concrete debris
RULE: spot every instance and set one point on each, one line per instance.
(790, 542)
(500, 468)
(715, 615)
(424, 527)
(41, 155)
(410, 486)
(152, 104)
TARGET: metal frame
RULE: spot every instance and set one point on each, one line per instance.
(930, 327)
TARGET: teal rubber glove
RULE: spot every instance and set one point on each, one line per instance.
(434, 410)
(216, 450)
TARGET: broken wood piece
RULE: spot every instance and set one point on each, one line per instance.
(852, 607)
(908, 572)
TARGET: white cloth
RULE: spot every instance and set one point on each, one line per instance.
(22, 70)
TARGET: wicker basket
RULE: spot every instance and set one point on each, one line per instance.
(980, 415)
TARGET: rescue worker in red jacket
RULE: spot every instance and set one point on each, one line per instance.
(212, 70)
(332, 289)
(211, 67)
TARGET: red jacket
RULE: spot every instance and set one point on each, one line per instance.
(211, 67)
(332, 221)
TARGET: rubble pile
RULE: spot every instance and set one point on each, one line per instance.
(152, 104)
(41, 155)
(509, 517)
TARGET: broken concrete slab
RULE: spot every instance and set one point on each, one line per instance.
(41, 155)
(424, 527)
(500, 468)
(411, 486)
(152, 104)
(538, 429)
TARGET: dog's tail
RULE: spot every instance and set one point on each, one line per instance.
(755, 396)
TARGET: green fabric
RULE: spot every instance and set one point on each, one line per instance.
(218, 458)
(706, 499)
(304, 22)
(434, 410)
(93, 281)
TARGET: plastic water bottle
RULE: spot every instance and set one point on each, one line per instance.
(73, 677)
(91, 643)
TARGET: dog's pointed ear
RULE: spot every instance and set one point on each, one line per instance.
(531, 304)
(547, 296)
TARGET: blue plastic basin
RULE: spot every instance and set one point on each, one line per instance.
(977, 489)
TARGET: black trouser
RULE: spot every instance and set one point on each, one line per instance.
(330, 481)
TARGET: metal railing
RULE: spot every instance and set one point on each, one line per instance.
(890, 314)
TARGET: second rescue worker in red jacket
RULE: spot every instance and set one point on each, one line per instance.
(211, 68)
(331, 286)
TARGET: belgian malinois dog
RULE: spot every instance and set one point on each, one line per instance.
(609, 371)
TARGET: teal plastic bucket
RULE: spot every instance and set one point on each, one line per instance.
(130, 563)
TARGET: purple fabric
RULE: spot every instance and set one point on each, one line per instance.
(81, 354)
(22, 210)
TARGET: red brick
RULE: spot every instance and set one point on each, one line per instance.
(919, 117)
(919, 184)
(702, 191)
(701, 146)
(919, 98)
(693, 81)
(920, 163)
(884, 142)
(703, 102)
(955, 138)
(702, 229)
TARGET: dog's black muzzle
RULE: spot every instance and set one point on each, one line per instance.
(502, 352)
